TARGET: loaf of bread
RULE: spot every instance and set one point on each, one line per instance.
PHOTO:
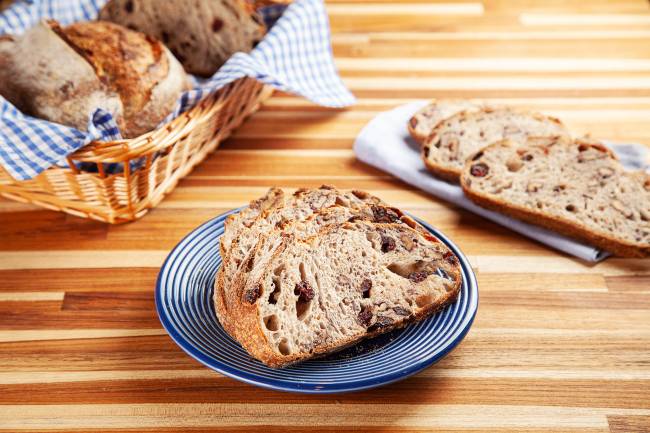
(45, 77)
(202, 35)
(444, 152)
(578, 189)
(334, 268)
(62, 73)
(422, 123)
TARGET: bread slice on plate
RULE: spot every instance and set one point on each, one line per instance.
(275, 211)
(309, 296)
(575, 188)
(273, 198)
(428, 117)
(444, 152)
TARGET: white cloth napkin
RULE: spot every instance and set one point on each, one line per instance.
(386, 144)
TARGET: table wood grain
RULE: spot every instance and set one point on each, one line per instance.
(557, 345)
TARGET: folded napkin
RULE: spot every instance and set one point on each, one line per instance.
(295, 56)
(386, 144)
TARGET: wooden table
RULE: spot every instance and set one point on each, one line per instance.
(558, 345)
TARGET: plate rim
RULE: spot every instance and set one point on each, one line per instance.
(356, 385)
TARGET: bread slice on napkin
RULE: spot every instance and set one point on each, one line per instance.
(575, 188)
(310, 296)
(444, 152)
(421, 124)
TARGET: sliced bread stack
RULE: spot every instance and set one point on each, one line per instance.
(450, 143)
(310, 273)
(527, 165)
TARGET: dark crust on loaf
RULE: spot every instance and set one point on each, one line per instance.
(133, 66)
(575, 231)
(131, 63)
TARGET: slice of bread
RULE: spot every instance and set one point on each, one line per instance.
(306, 297)
(575, 188)
(274, 211)
(444, 152)
(425, 119)
(233, 225)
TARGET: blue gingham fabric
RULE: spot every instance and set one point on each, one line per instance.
(295, 56)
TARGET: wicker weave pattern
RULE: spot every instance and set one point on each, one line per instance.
(153, 162)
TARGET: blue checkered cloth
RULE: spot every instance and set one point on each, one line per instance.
(295, 56)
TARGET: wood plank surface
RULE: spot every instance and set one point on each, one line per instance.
(557, 345)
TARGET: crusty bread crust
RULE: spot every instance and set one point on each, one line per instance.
(145, 74)
(571, 229)
(220, 304)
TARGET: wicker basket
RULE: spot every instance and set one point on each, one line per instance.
(162, 158)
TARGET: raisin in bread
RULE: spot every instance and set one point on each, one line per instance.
(578, 189)
(428, 117)
(316, 295)
(444, 152)
(274, 211)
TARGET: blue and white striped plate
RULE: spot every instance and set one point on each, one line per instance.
(184, 303)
